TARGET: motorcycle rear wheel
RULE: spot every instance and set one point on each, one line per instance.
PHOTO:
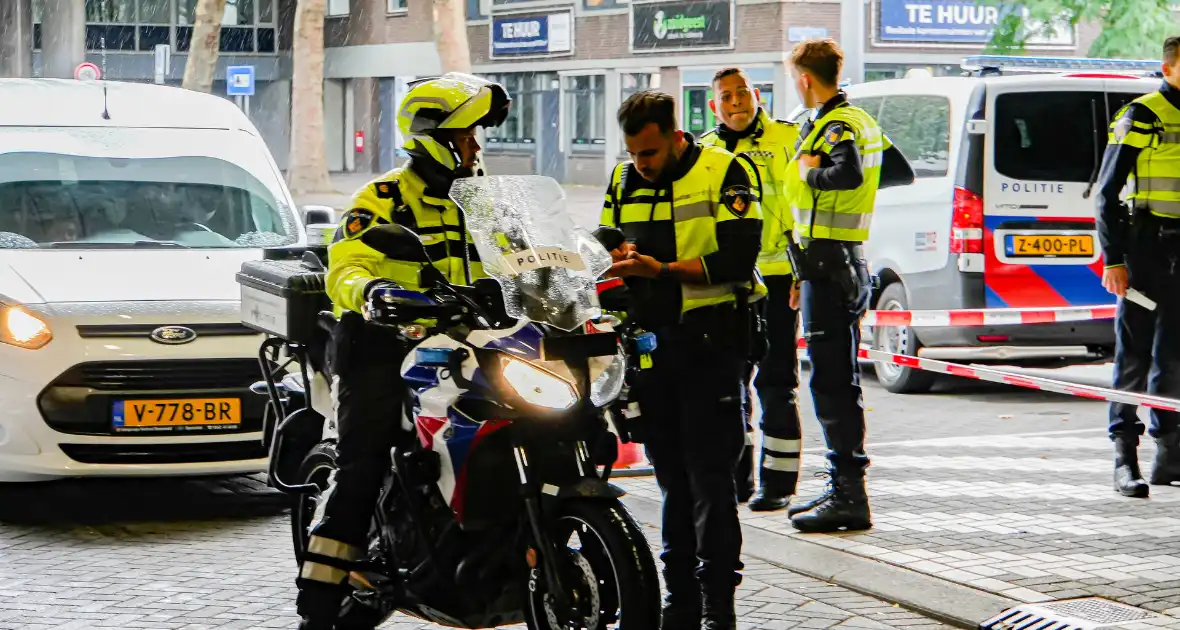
(619, 588)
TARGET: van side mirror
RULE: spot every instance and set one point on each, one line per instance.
(397, 242)
(314, 214)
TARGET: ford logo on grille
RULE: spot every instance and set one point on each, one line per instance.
(173, 335)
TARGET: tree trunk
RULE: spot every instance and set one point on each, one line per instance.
(450, 35)
(307, 170)
(202, 57)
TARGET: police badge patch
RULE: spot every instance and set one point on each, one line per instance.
(833, 134)
(737, 199)
(384, 190)
(356, 221)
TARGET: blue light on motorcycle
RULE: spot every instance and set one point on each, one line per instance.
(646, 343)
(433, 357)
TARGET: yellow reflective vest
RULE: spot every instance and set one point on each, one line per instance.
(1157, 170)
(692, 208)
(843, 215)
(771, 145)
(400, 197)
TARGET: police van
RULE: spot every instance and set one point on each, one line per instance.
(1002, 211)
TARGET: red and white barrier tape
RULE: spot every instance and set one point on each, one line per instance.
(1020, 380)
(967, 316)
(988, 316)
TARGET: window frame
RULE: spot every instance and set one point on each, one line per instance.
(328, 13)
(573, 99)
(402, 9)
(523, 98)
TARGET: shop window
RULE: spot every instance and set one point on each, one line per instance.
(155, 12)
(518, 128)
(110, 12)
(238, 13)
(920, 127)
(150, 36)
(474, 12)
(110, 37)
(586, 98)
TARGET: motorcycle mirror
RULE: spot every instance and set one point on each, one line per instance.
(397, 242)
(610, 237)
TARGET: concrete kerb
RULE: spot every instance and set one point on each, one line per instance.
(951, 603)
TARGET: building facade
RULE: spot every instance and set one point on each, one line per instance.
(50, 38)
(567, 63)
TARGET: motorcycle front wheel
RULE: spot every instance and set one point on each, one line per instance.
(615, 581)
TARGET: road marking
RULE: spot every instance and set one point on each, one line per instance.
(984, 437)
(990, 464)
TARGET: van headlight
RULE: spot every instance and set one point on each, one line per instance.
(538, 387)
(607, 386)
(23, 329)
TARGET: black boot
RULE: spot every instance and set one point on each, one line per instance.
(744, 475)
(1127, 479)
(318, 604)
(769, 499)
(719, 613)
(1166, 467)
(682, 604)
(847, 508)
(810, 504)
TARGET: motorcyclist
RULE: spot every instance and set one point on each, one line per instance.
(438, 118)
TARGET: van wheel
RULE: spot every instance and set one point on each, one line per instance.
(898, 340)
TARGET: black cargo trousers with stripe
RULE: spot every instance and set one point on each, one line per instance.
(777, 385)
(366, 359)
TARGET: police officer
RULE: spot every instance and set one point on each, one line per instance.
(746, 128)
(1140, 246)
(832, 184)
(692, 227)
(438, 118)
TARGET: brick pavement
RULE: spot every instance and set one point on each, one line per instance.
(198, 554)
(1003, 490)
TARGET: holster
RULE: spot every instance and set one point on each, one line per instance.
(825, 259)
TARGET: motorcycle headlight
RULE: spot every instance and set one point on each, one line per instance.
(607, 386)
(23, 329)
(538, 387)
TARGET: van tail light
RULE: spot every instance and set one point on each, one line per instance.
(967, 223)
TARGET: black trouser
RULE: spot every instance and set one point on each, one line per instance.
(691, 403)
(1147, 343)
(777, 383)
(831, 324)
(369, 396)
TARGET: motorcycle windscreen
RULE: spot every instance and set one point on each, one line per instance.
(546, 265)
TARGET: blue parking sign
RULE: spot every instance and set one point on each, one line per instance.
(239, 81)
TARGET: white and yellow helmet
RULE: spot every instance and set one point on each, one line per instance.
(453, 101)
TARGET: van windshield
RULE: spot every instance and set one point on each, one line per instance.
(115, 188)
(1049, 135)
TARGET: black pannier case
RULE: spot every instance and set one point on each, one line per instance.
(283, 298)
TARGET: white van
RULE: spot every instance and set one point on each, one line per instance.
(125, 212)
(998, 216)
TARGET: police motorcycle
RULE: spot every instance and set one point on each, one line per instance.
(498, 514)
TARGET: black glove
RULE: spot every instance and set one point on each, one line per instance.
(377, 309)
